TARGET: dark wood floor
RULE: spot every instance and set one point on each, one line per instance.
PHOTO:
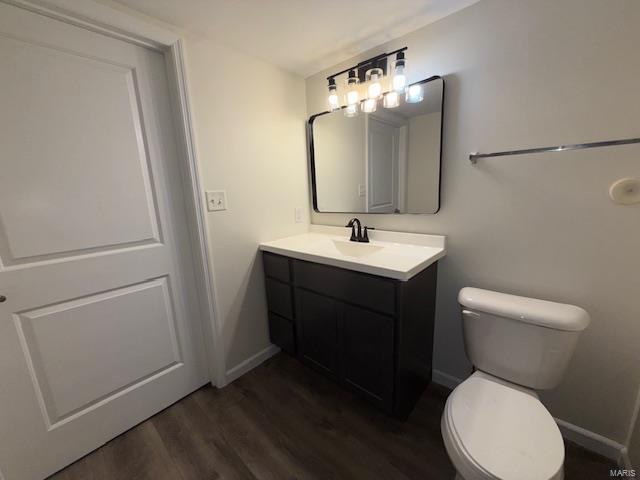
(284, 421)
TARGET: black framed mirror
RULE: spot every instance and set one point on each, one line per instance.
(386, 161)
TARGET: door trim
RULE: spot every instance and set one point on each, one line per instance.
(118, 24)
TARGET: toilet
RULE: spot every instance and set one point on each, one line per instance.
(494, 426)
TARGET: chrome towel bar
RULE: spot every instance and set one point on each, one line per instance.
(473, 157)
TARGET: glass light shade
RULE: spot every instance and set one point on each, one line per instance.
(415, 94)
(391, 99)
(399, 78)
(334, 103)
(374, 76)
(370, 105)
(351, 110)
(352, 89)
(352, 97)
(375, 89)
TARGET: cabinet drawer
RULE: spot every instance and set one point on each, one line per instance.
(279, 298)
(276, 266)
(281, 333)
(369, 291)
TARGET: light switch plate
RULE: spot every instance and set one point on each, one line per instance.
(216, 200)
(297, 214)
(362, 190)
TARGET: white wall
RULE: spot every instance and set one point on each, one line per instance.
(525, 74)
(249, 122)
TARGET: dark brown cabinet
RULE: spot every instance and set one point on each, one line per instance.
(374, 335)
(317, 325)
(367, 354)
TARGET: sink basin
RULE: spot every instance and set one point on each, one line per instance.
(389, 254)
(355, 249)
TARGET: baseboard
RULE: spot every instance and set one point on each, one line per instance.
(445, 379)
(591, 441)
(250, 363)
(586, 439)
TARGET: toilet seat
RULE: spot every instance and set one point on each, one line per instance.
(495, 430)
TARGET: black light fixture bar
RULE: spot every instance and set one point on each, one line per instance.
(369, 61)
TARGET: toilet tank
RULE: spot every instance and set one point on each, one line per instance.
(521, 340)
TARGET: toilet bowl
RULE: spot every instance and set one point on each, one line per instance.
(494, 426)
(496, 430)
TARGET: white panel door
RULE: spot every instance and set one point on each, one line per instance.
(100, 327)
(382, 166)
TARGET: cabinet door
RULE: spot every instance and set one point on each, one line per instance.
(317, 329)
(367, 354)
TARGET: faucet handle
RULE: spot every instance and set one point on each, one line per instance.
(365, 236)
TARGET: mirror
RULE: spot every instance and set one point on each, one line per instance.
(387, 161)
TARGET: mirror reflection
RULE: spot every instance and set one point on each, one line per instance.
(387, 161)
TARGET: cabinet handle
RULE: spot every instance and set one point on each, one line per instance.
(2, 298)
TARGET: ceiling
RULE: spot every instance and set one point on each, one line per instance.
(302, 36)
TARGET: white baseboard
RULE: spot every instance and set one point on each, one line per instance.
(250, 363)
(445, 379)
(592, 441)
(586, 439)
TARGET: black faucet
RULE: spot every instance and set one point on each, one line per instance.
(358, 236)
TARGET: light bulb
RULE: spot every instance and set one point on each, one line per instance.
(351, 110)
(391, 99)
(415, 94)
(399, 78)
(369, 105)
(334, 103)
(375, 87)
(352, 88)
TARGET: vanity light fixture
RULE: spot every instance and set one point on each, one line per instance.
(391, 99)
(399, 81)
(373, 71)
(334, 103)
(415, 93)
(352, 88)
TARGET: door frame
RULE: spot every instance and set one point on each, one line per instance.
(121, 25)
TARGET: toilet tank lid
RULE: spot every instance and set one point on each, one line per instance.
(558, 316)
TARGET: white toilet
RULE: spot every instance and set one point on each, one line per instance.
(494, 426)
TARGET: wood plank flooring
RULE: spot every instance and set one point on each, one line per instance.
(284, 421)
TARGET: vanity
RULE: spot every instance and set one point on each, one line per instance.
(360, 313)
(359, 306)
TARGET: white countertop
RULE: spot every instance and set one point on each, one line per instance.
(389, 254)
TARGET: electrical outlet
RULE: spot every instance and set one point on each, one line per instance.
(362, 190)
(216, 201)
(297, 214)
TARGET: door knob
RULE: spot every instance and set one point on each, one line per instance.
(2, 298)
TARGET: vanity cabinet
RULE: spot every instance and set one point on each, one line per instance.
(373, 335)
